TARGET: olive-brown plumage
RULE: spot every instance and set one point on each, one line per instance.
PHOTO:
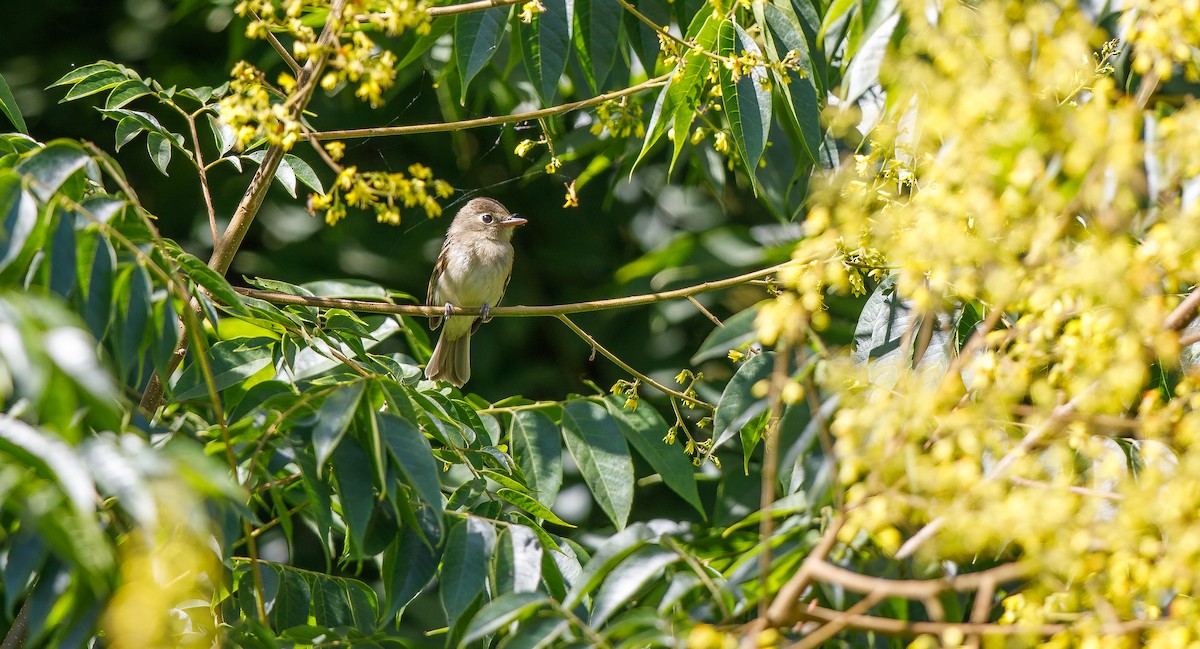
(472, 271)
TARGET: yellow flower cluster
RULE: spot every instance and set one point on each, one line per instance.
(254, 114)
(361, 61)
(620, 117)
(385, 193)
(1012, 175)
(1163, 33)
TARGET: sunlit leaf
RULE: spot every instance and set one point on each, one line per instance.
(477, 34)
(464, 565)
(645, 429)
(546, 44)
(537, 447)
(596, 443)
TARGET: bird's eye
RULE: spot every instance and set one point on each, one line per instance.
(487, 218)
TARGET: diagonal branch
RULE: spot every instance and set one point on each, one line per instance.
(628, 368)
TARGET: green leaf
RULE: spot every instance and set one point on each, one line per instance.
(627, 578)
(645, 429)
(801, 104)
(231, 362)
(408, 566)
(643, 38)
(595, 441)
(611, 553)
(284, 175)
(51, 166)
(546, 44)
(352, 467)
(737, 405)
(127, 129)
(79, 74)
(679, 99)
(438, 28)
(414, 457)
(20, 211)
(8, 106)
(97, 311)
(464, 565)
(518, 561)
(125, 92)
(159, 149)
(211, 280)
(99, 81)
(501, 612)
(889, 331)
(333, 419)
(597, 38)
(537, 446)
(747, 102)
(304, 173)
(527, 503)
(293, 600)
(477, 34)
(863, 70)
(330, 606)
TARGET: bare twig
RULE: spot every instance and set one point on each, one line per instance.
(917, 588)
(1183, 314)
(837, 623)
(15, 637)
(625, 366)
(766, 524)
(708, 314)
(439, 127)
(889, 626)
(780, 610)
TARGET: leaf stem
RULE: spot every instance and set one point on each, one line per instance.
(439, 127)
(625, 366)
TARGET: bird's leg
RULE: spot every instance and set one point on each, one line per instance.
(448, 311)
(486, 312)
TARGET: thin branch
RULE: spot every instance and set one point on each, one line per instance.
(1082, 491)
(780, 610)
(1057, 416)
(451, 10)
(708, 314)
(15, 637)
(625, 366)
(203, 173)
(982, 607)
(917, 588)
(280, 49)
(439, 127)
(766, 524)
(1183, 314)
(363, 306)
(841, 621)
(889, 626)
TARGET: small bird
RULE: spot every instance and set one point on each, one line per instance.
(472, 271)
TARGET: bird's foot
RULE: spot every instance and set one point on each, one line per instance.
(485, 312)
(449, 309)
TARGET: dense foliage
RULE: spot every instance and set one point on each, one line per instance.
(912, 358)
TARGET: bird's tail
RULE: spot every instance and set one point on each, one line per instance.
(451, 360)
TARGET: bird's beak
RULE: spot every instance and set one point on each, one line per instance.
(512, 221)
